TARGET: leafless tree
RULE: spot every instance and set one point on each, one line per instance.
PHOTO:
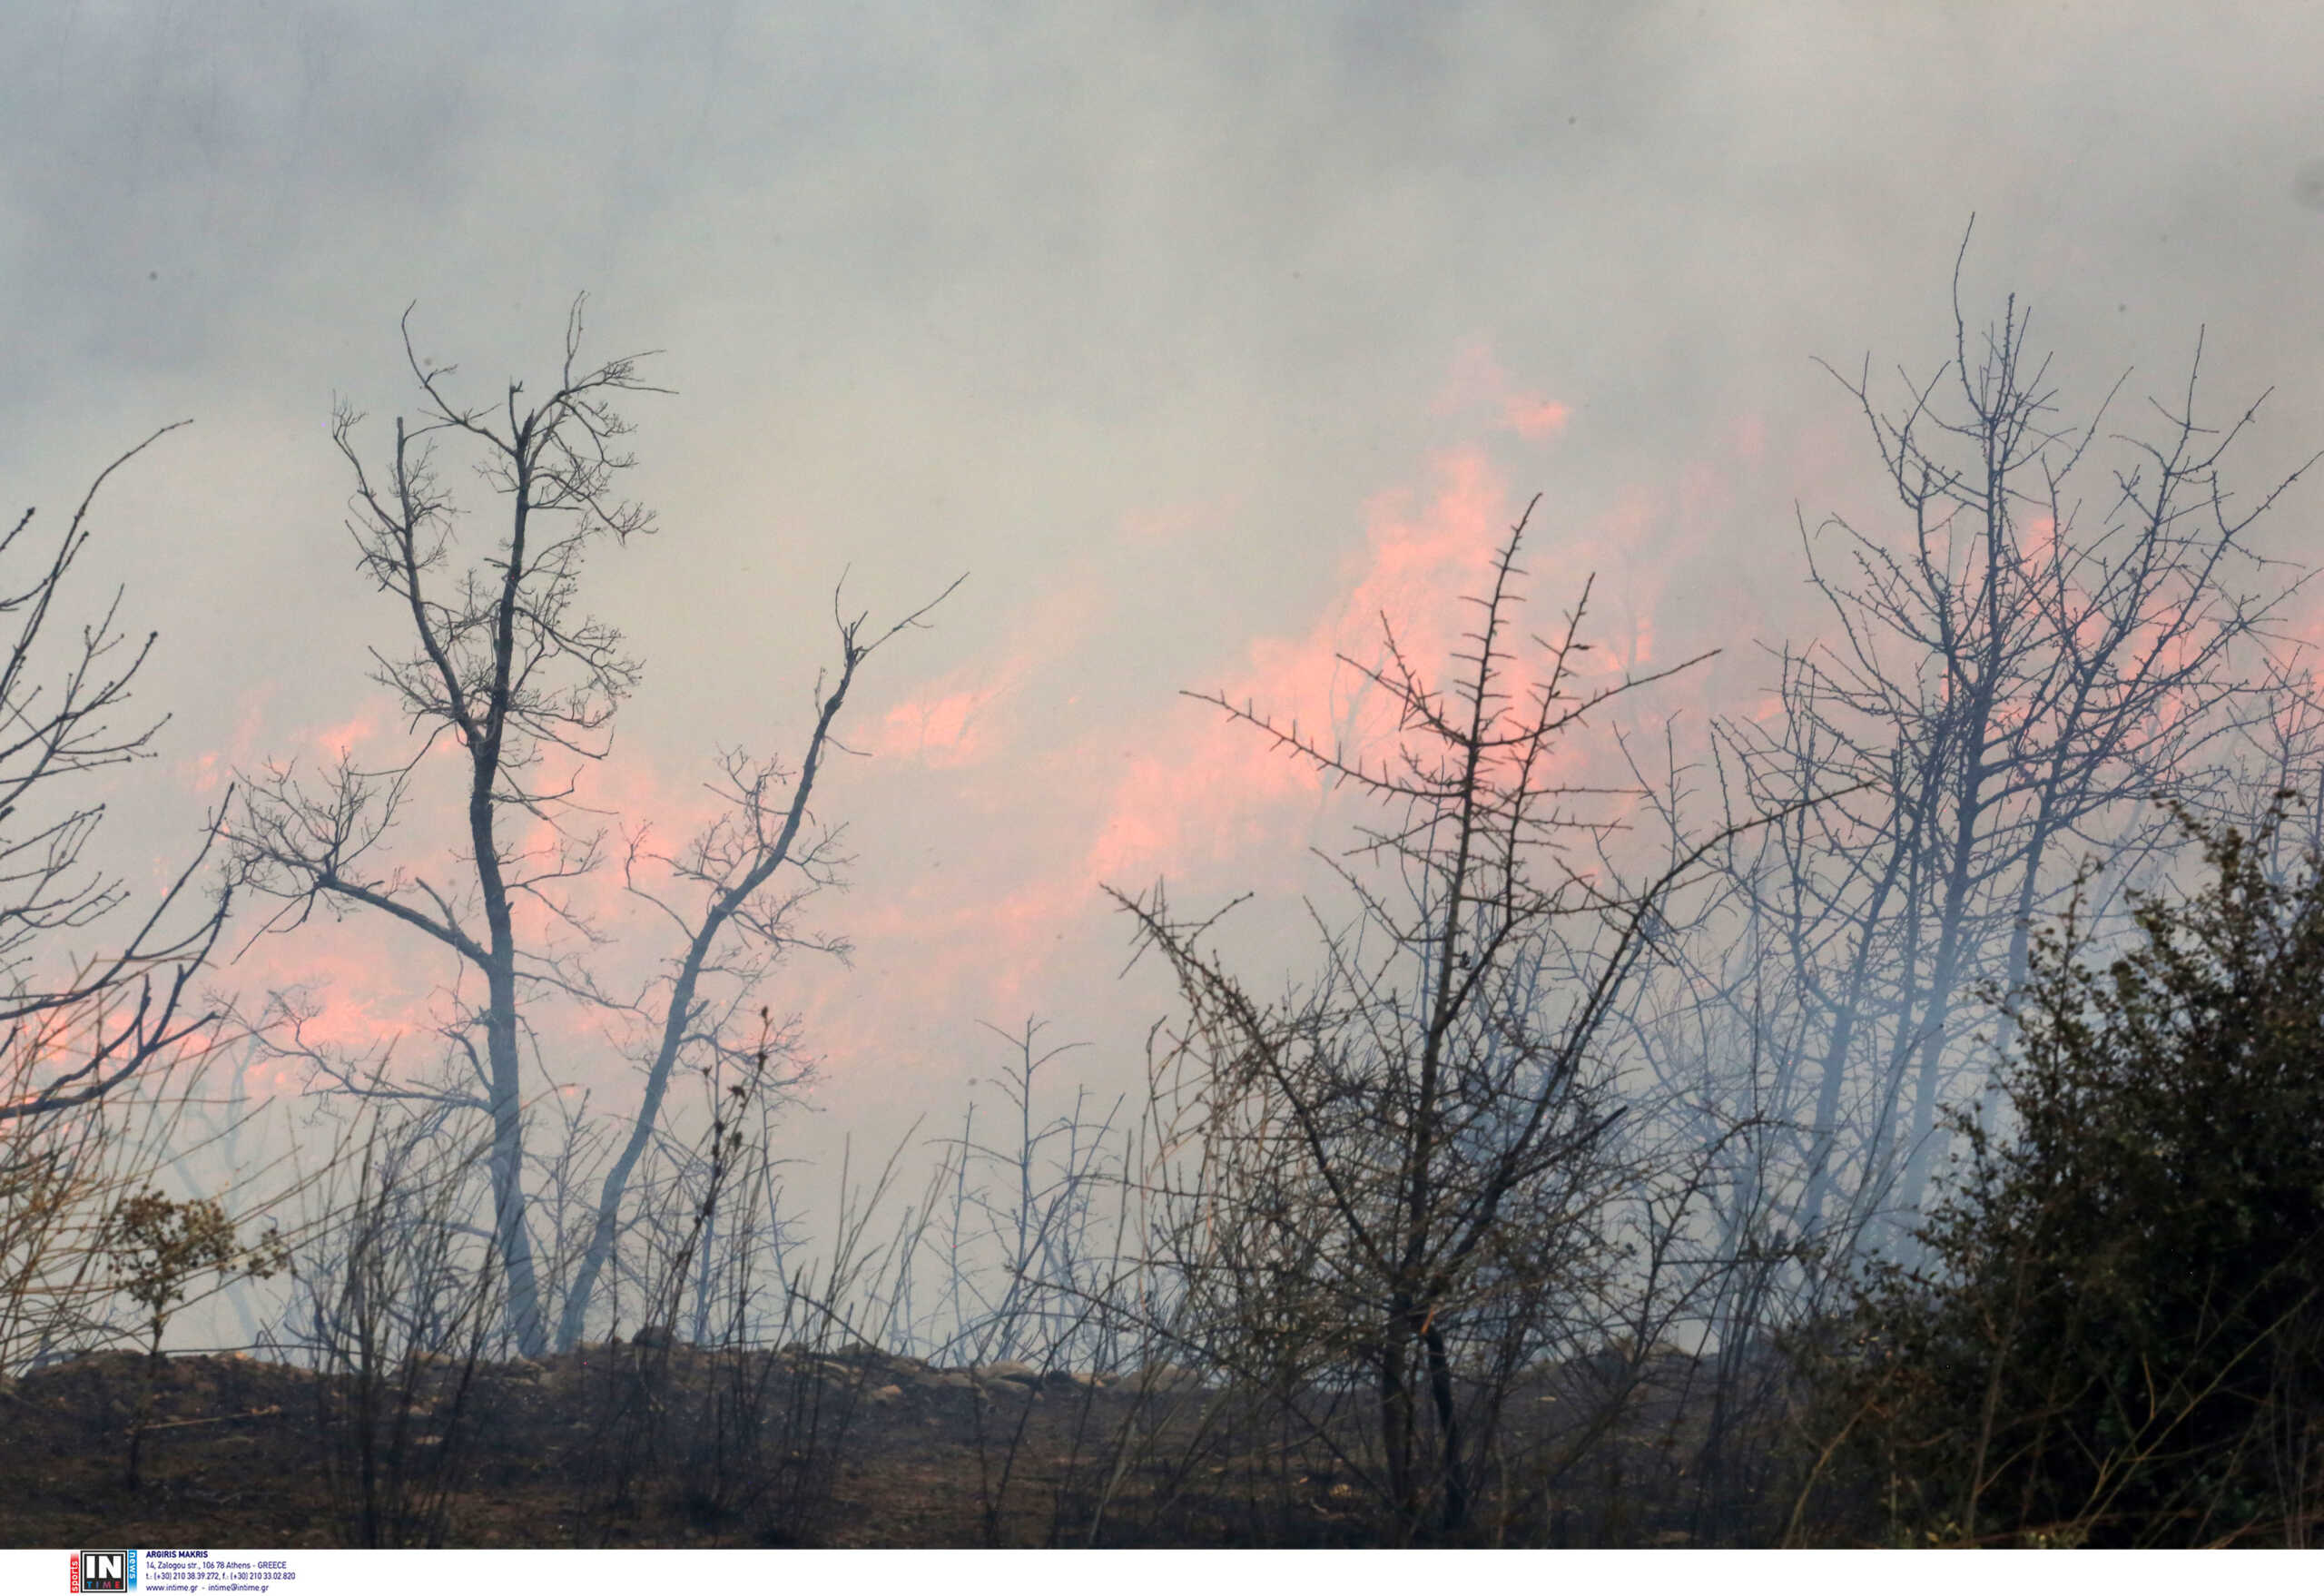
(504, 661)
(1403, 1169)
(736, 916)
(2014, 678)
(79, 1023)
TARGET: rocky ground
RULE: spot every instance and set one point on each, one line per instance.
(668, 1445)
(608, 1445)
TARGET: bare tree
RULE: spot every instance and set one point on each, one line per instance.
(2014, 678)
(504, 661)
(1403, 1167)
(732, 927)
(77, 1023)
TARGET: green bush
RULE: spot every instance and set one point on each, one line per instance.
(2117, 1337)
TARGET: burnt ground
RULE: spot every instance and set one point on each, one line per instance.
(672, 1447)
(602, 1446)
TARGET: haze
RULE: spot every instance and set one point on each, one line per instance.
(1194, 336)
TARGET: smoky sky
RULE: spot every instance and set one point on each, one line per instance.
(1188, 332)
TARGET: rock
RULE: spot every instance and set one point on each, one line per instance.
(886, 1394)
(1165, 1377)
(1024, 1374)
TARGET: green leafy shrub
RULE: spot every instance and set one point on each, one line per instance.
(158, 1249)
(2117, 1337)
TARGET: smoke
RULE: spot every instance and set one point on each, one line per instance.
(1196, 342)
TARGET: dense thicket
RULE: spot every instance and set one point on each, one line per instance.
(2116, 1339)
